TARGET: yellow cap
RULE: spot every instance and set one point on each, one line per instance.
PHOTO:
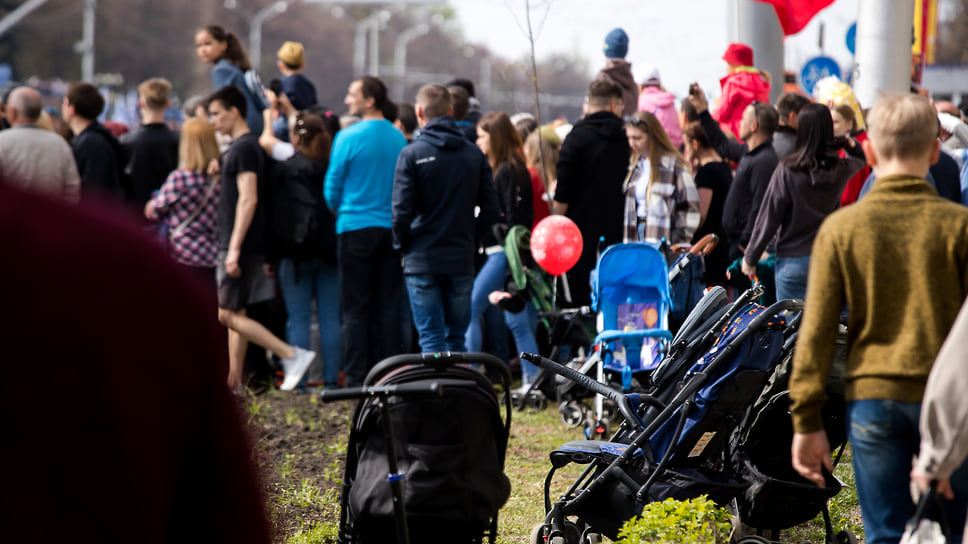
(291, 53)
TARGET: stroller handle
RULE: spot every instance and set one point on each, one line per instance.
(416, 389)
(618, 398)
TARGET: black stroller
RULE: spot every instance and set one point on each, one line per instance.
(425, 459)
(675, 441)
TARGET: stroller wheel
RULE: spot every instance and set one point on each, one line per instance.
(846, 537)
(537, 534)
(571, 413)
(752, 539)
(537, 401)
(591, 538)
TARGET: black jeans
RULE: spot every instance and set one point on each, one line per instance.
(371, 284)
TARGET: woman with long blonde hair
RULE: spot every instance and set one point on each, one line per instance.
(188, 203)
(659, 188)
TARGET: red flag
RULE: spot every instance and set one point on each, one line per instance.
(795, 14)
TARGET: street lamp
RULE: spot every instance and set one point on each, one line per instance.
(371, 23)
(400, 56)
(255, 29)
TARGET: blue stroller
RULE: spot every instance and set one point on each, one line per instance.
(630, 293)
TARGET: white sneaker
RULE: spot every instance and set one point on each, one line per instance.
(295, 367)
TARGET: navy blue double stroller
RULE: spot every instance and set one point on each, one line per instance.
(692, 431)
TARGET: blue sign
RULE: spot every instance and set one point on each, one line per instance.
(852, 39)
(816, 69)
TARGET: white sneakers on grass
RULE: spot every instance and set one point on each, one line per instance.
(295, 367)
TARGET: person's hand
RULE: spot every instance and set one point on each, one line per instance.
(232, 263)
(214, 168)
(284, 106)
(811, 452)
(698, 98)
(269, 270)
(150, 211)
(748, 269)
(494, 297)
(923, 481)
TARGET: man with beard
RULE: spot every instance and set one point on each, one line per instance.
(359, 188)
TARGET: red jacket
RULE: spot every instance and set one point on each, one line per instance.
(739, 89)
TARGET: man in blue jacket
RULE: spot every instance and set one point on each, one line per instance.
(440, 178)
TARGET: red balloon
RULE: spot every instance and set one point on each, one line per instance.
(556, 244)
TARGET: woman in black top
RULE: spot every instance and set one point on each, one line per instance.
(712, 177)
(500, 142)
(302, 240)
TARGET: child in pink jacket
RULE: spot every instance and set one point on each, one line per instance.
(743, 85)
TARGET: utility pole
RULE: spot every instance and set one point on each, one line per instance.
(756, 25)
(86, 46)
(884, 33)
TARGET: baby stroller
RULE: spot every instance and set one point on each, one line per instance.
(674, 440)
(426, 451)
(630, 293)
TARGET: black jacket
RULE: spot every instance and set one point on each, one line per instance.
(592, 165)
(440, 178)
(752, 177)
(100, 162)
(513, 184)
(151, 153)
(300, 224)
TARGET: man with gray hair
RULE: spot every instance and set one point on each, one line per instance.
(34, 158)
(439, 179)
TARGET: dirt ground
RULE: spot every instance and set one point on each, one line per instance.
(299, 445)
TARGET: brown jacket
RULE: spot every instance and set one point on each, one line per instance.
(899, 260)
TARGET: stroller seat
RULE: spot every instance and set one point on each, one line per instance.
(630, 292)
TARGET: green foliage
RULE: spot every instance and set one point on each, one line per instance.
(677, 522)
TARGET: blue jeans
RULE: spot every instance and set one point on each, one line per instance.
(791, 277)
(523, 325)
(884, 437)
(441, 307)
(301, 283)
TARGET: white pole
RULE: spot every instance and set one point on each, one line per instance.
(17, 15)
(255, 30)
(400, 57)
(756, 25)
(375, 48)
(87, 41)
(884, 30)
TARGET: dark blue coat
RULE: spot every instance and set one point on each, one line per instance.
(440, 178)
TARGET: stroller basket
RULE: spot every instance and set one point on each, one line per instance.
(778, 497)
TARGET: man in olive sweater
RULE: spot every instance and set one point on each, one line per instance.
(899, 260)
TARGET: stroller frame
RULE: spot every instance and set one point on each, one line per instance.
(630, 406)
(380, 396)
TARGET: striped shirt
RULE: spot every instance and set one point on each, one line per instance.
(182, 193)
(671, 203)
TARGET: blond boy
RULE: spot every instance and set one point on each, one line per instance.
(898, 259)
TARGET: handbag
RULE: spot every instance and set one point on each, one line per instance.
(921, 529)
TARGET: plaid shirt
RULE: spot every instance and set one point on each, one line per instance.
(183, 192)
(671, 203)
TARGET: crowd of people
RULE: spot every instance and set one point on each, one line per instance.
(392, 222)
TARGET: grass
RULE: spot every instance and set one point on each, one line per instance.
(533, 436)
